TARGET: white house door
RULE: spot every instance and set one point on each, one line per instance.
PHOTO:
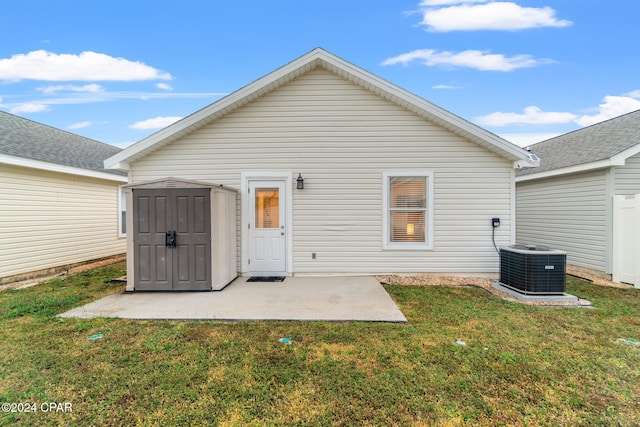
(267, 240)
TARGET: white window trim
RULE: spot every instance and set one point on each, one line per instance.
(122, 198)
(428, 243)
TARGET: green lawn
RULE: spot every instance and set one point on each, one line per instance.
(522, 365)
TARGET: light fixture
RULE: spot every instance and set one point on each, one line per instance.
(410, 229)
(300, 182)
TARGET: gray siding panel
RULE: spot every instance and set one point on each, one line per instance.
(627, 177)
(342, 139)
(50, 219)
(567, 213)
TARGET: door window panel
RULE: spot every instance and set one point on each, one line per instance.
(267, 208)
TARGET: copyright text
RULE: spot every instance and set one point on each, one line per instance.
(22, 407)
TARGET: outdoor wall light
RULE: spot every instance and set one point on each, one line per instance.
(300, 182)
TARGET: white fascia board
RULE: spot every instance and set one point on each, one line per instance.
(620, 158)
(617, 160)
(531, 162)
(569, 169)
(119, 166)
(52, 167)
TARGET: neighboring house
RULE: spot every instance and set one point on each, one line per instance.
(391, 183)
(59, 205)
(568, 202)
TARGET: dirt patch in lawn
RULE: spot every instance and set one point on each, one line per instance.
(595, 279)
(418, 280)
(63, 272)
(476, 282)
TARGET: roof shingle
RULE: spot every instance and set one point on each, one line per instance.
(591, 144)
(24, 138)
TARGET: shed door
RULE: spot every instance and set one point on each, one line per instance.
(159, 264)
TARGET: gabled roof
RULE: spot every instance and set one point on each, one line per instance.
(27, 143)
(321, 59)
(604, 144)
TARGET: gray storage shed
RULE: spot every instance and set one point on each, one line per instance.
(183, 236)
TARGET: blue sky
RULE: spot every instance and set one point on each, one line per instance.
(117, 71)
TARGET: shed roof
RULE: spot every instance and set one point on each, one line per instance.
(321, 59)
(603, 144)
(43, 145)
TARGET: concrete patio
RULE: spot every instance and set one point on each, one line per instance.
(297, 298)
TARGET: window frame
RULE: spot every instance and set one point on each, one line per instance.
(387, 244)
(122, 207)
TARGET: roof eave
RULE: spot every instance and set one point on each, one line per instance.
(601, 164)
(118, 166)
(52, 167)
(619, 159)
(309, 61)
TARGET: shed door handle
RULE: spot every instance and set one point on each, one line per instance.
(171, 239)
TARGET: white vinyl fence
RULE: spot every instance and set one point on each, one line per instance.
(626, 239)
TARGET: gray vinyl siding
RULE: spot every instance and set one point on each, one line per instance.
(627, 177)
(568, 212)
(50, 219)
(342, 138)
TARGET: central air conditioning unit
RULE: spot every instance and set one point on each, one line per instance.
(531, 269)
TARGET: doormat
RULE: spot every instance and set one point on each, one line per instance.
(266, 279)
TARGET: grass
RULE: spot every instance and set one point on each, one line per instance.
(522, 365)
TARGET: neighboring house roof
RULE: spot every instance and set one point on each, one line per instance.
(27, 143)
(321, 59)
(604, 144)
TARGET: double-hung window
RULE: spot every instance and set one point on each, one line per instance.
(408, 210)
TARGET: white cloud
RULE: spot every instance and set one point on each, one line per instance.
(532, 116)
(448, 2)
(86, 66)
(79, 125)
(497, 15)
(92, 88)
(613, 106)
(29, 108)
(634, 94)
(155, 123)
(477, 59)
(78, 98)
(164, 86)
(445, 87)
